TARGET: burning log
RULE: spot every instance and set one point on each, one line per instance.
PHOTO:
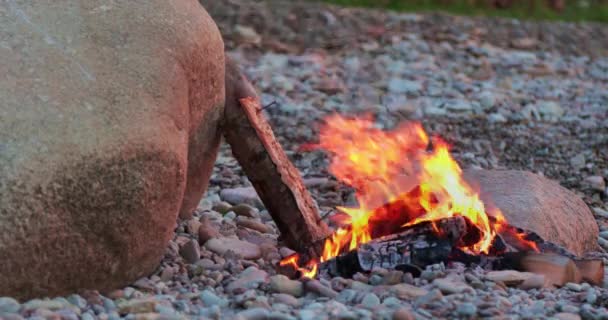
(276, 180)
(410, 250)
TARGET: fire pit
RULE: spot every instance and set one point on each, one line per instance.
(415, 209)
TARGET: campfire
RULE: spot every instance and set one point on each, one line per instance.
(414, 209)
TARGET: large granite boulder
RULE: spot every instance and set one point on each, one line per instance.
(109, 115)
(538, 204)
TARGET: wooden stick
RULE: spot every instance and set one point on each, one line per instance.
(276, 180)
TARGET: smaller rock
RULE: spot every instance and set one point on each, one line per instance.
(245, 210)
(393, 277)
(574, 286)
(496, 118)
(253, 314)
(447, 286)
(222, 207)
(286, 252)
(525, 43)
(466, 310)
(600, 212)
(9, 305)
(190, 251)
(44, 304)
(550, 110)
(603, 243)
(375, 279)
(211, 299)
(192, 226)
(370, 301)
(330, 86)
(145, 305)
(459, 106)
(398, 85)
(244, 249)
(250, 278)
(282, 284)
(428, 298)
(207, 231)
(591, 297)
(245, 195)
(317, 287)
(246, 35)
(403, 314)
(596, 183)
(487, 99)
(346, 296)
(391, 302)
(406, 291)
(566, 316)
(252, 224)
(578, 162)
(287, 299)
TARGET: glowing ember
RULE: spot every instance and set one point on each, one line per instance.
(399, 180)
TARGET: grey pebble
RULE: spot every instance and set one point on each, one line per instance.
(9, 305)
(370, 300)
(466, 309)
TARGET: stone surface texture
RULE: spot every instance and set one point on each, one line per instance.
(109, 129)
(535, 203)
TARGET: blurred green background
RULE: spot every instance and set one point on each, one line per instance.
(567, 10)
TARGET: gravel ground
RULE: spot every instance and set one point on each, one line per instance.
(540, 105)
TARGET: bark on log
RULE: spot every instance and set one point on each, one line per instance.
(275, 179)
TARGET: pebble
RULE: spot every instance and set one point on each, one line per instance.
(9, 305)
(403, 314)
(398, 85)
(44, 304)
(429, 298)
(252, 224)
(600, 212)
(407, 291)
(244, 195)
(466, 310)
(392, 277)
(317, 287)
(487, 99)
(250, 278)
(190, 251)
(566, 316)
(246, 34)
(596, 183)
(222, 207)
(370, 301)
(282, 284)
(448, 287)
(287, 299)
(211, 299)
(207, 231)
(244, 249)
(145, 305)
(253, 314)
(346, 296)
(245, 210)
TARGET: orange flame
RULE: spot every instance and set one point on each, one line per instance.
(398, 182)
